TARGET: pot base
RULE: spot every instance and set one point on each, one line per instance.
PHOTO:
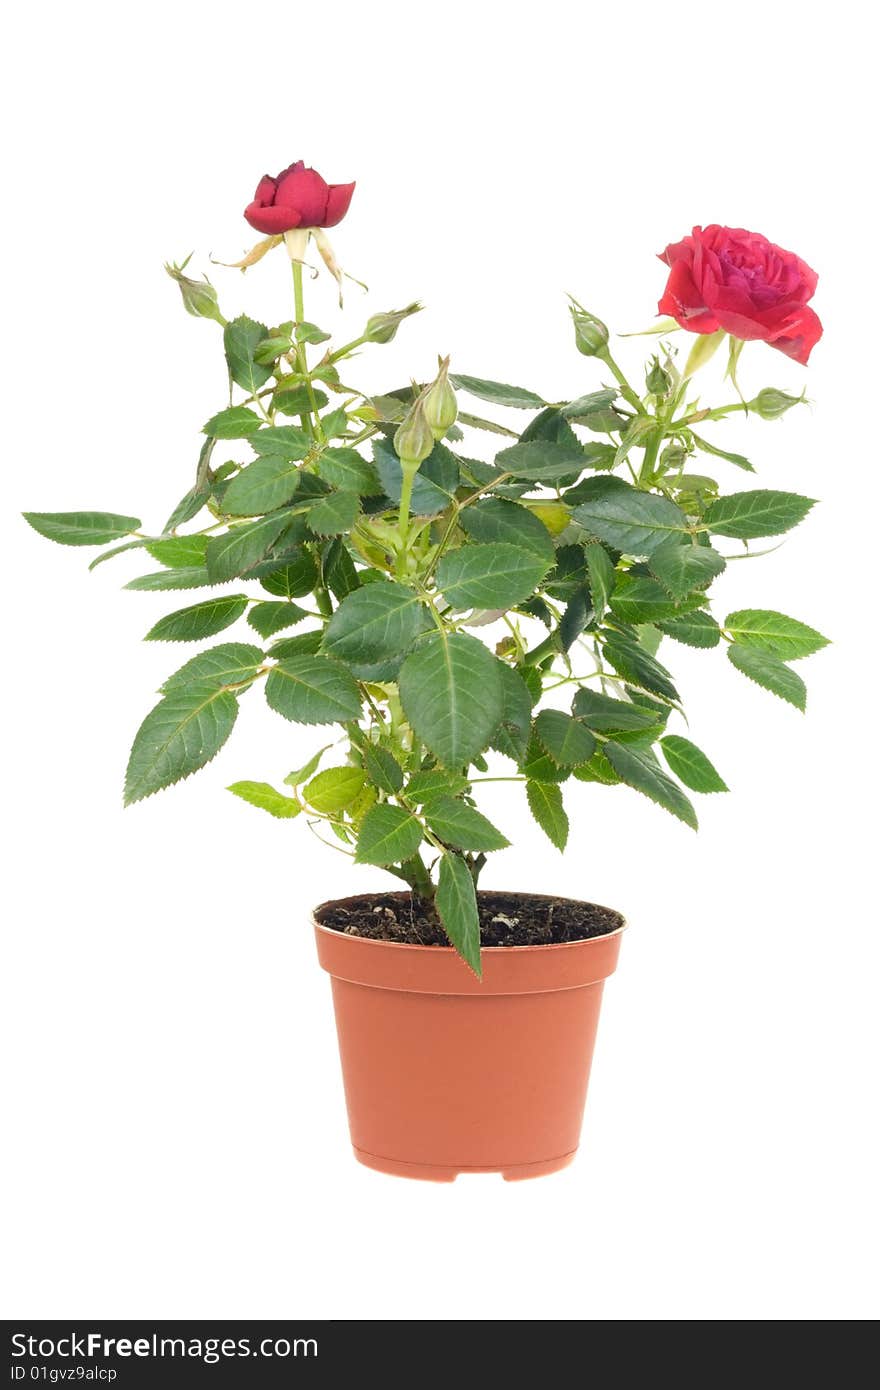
(430, 1172)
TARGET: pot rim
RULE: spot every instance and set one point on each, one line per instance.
(442, 950)
(501, 950)
(439, 970)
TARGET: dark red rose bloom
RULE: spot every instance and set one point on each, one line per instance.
(738, 281)
(298, 197)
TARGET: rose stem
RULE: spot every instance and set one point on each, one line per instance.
(302, 361)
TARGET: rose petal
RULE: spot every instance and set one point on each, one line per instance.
(265, 193)
(304, 190)
(338, 203)
(741, 326)
(682, 301)
(271, 220)
(799, 335)
(678, 251)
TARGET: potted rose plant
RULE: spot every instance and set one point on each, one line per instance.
(437, 611)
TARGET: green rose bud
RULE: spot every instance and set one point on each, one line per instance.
(381, 328)
(769, 404)
(199, 296)
(590, 333)
(657, 379)
(673, 456)
(440, 405)
(414, 438)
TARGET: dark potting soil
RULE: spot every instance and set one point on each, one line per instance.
(506, 919)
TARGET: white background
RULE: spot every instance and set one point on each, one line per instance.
(177, 1142)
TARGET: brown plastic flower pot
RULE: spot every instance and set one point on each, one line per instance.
(445, 1074)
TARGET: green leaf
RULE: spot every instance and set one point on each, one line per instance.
(566, 740)
(629, 520)
(201, 620)
(302, 774)
(512, 735)
(538, 766)
(340, 574)
(490, 576)
(607, 716)
(240, 548)
(334, 423)
(190, 577)
(551, 424)
(267, 618)
(690, 765)
(304, 644)
(359, 808)
(310, 333)
(575, 618)
(748, 515)
(658, 708)
(347, 470)
(589, 404)
(313, 690)
(696, 629)
(264, 796)
(648, 638)
(265, 484)
(682, 567)
(598, 769)
(190, 504)
(183, 733)
(286, 441)
(707, 448)
(640, 771)
(333, 514)
(541, 460)
(273, 347)
(635, 664)
(495, 519)
(640, 599)
(694, 482)
(533, 682)
(241, 338)
(179, 552)
(375, 623)
(497, 392)
(774, 633)
(139, 544)
(478, 423)
(601, 422)
(383, 769)
(82, 528)
(450, 688)
(292, 398)
(598, 456)
(460, 825)
(767, 670)
(600, 571)
(388, 835)
(545, 804)
(235, 423)
(229, 664)
(434, 485)
(335, 788)
(457, 906)
(294, 578)
(425, 787)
